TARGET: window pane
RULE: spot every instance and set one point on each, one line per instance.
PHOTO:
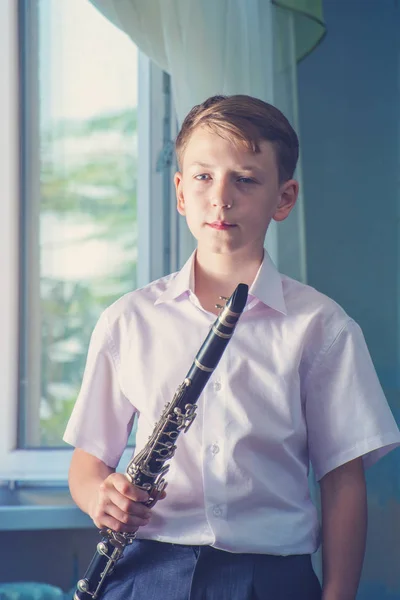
(80, 227)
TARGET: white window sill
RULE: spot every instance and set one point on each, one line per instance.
(37, 507)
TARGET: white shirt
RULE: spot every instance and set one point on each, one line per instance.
(295, 384)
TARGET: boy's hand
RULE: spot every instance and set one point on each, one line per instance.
(118, 505)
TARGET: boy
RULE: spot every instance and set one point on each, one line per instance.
(295, 384)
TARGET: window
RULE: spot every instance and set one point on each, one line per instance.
(94, 114)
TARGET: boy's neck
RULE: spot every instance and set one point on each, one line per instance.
(218, 274)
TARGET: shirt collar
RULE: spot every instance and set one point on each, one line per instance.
(266, 287)
(180, 282)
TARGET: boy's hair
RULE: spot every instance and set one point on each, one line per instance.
(244, 120)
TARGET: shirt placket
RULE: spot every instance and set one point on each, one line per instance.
(214, 456)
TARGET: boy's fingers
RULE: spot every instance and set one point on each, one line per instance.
(127, 489)
(126, 525)
(127, 522)
(130, 507)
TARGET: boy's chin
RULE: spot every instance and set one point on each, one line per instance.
(217, 248)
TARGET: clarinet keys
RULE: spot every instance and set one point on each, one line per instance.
(184, 420)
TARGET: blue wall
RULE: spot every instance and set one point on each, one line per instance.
(350, 135)
(58, 557)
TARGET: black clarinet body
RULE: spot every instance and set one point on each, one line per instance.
(147, 469)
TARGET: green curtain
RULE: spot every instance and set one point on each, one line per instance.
(308, 23)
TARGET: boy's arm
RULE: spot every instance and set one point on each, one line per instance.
(344, 528)
(107, 497)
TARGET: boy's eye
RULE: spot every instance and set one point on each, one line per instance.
(202, 177)
(245, 180)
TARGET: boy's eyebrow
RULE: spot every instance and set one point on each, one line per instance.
(197, 163)
(206, 166)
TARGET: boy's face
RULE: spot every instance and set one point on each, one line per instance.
(229, 194)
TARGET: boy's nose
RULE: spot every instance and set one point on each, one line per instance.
(223, 204)
(222, 196)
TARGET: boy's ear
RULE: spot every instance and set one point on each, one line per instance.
(180, 202)
(288, 196)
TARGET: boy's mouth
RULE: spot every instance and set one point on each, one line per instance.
(221, 225)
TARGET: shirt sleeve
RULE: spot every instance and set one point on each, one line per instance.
(347, 413)
(102, 417)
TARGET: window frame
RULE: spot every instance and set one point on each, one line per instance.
(154, 120)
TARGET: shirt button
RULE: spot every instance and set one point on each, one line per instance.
(217, 386)
(217, 511)
(214, 449)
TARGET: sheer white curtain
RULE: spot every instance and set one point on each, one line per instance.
(229, 47)
(297, 27)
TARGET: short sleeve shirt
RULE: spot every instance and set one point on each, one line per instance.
(295, 386)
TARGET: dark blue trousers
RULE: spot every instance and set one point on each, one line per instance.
(158, 571)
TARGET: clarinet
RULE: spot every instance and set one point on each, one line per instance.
(147, 470)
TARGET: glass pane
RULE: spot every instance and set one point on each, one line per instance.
(84, 230)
